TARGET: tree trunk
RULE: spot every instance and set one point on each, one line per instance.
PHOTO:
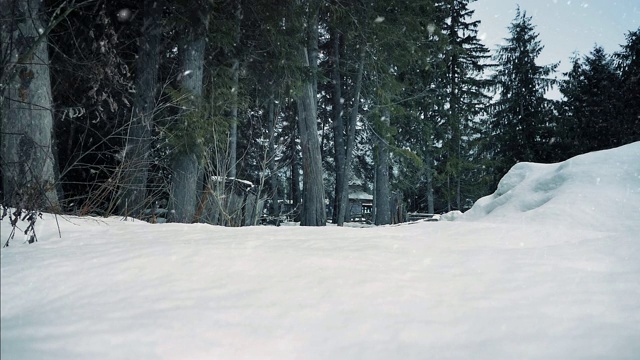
(184, 187)
(27, 116)
(313, 206)
(136, 163)
(351, 136)
(454, 106)
(338, 128)
(382, 194)
(273, 178)
(295, 193)
(296, 197)
(429, 170)
(235, 69)
(233, 132)
(313, 210)
(184, 166)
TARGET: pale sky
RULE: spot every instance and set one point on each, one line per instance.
(564, 26)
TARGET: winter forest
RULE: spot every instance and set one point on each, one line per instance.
(228, 111)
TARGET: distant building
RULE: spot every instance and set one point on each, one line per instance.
(360, 204)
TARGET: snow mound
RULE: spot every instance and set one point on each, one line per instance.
(598, 190)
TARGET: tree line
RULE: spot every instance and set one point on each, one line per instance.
(111, 107)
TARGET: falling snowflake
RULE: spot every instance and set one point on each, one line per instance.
(431, 28)
(124, 15)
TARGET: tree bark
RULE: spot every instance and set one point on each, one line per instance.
(313, 210)
(382, 193)
(313, 206)
(273, 178)
(351, 136)
(27, 117)
(338, 128)
(184, 187)
(233, 132)
(296, 196)
(235, 69)
(136, 161)
(429, 171)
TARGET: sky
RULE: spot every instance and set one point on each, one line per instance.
(564, 26)
(545, 268)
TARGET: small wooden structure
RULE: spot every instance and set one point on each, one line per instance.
(360, 205)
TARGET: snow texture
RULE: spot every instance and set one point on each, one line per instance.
(545, 268)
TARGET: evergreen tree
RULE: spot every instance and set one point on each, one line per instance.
(592, 117)
(465, 58)
(628, 65)
(313, 211)
(136, 155)
(186, 161)
(520, 116)
(347, 22)
(399, 44)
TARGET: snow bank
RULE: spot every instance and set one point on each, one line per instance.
(598, 190)
(518, 283)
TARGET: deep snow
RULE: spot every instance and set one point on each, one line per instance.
(545, 268)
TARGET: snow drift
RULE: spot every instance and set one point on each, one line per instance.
(598, 190)
(548, 269)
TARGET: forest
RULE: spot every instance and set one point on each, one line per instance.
(182, 107)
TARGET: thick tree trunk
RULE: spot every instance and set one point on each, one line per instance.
(136, 163)
(383, 193)
(184, 189)
(313, 206)
(27, 116)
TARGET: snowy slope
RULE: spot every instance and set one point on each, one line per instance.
(599, 190)
(518, 278)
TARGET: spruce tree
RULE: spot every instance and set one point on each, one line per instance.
(521, 114)
(465, 58)
(592, 112)
(628, 65)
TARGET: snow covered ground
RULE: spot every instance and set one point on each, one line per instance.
(548, 267)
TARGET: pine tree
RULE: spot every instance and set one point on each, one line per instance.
(592, 113)
(465, 58)
(520, 115)
(628, 65)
